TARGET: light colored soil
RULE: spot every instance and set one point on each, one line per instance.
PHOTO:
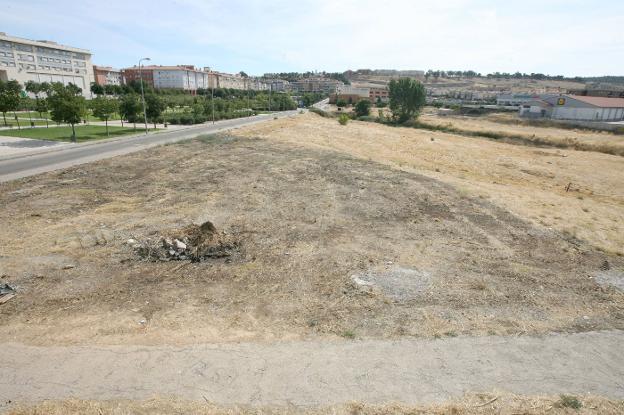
(530, 182)
(321, 374)
(605, 142)
(308, 218)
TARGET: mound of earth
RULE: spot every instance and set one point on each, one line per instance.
(194, 243)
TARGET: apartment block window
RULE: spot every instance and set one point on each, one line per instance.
(27, 58)
(7, 63)
(80, 64)
(24, 48)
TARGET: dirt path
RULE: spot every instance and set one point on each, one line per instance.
(315, 373)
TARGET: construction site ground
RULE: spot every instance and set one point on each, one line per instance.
(353, 233)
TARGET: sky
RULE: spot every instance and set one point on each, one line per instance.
(557, 37)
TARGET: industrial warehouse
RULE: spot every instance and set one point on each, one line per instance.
(575, 107)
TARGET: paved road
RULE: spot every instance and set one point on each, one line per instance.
(319, 373)
(66, 156)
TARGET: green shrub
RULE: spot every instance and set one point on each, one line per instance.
(568, 401)
(341, 103)
(343, 119)
(186, 119)
(362, 108)
(320, 112)
(173, 119)
(367, 118)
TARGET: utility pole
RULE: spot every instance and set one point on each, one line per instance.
(248, 108)
(270, 91)
(214, 79)
(143, 93)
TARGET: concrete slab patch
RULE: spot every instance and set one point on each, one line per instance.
(396, 282)
(612, 277)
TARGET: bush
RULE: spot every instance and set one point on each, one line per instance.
(341, 103)
(567, 401)
(173, 119)
(367, 118)
(362, 108)
(343, 119)
(187, 119)
(320, 112)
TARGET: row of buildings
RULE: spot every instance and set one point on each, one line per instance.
(46, 61)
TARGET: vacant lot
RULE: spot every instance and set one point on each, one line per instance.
(578, 193)
(83, 132)
(501, 125)
(336, 233)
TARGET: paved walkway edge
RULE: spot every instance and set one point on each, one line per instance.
(319, 373)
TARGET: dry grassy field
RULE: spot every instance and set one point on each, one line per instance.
(503, 125)
(531, 182)
(312, 208)
(317, 232)
(482, 404)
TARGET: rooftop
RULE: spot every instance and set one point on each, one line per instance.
(603, 102)
(42, 43)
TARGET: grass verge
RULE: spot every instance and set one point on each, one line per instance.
(83, 132)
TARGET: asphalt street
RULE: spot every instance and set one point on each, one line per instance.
(17, 167)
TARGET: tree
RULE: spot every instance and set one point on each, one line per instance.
(97, 89)
(67, 104)
(407, 97)
(154, 107)
(362, 108)
(36, 88)
(10, 98)
(110, 89)
(341, 102)
(130, 108)
(104, 108)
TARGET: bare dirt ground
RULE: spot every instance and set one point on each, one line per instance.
(321, 214)
(528, 181)
(604, 142)
(324, 234)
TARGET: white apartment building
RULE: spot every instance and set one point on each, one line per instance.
(179, 77)
(26, 60)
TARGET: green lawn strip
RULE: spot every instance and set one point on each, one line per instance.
(25, 123)
(83, 132)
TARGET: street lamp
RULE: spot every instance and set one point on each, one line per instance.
(212, 84)
(143, 93)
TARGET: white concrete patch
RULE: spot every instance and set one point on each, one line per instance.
(395, 282)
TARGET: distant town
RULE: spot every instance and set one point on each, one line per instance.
(532, 95)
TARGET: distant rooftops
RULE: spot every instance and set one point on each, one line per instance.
(42, 43)
(603, 102)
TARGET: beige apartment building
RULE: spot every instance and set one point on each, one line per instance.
(26, 60)
(105, 75)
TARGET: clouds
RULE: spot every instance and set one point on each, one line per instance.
(568, 37)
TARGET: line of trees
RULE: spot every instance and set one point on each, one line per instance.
(436, 74)
(67, 104)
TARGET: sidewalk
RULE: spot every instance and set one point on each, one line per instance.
(318, 373)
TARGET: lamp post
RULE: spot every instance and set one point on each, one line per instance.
(214, 79)
(143, 93)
